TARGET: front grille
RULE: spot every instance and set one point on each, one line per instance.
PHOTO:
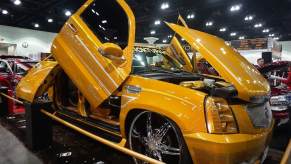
(260, 114)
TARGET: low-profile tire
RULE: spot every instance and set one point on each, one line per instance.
(158, 137)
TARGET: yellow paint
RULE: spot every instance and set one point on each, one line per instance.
(27, 89)
(228, 63)
(98, 77)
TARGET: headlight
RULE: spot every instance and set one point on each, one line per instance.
(219, 116)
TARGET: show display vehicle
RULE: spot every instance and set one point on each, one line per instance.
(280, 101)
(143, 99)
(12, 69)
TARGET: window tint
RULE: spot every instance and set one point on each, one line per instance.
(147, 58)
(108, 21)
(4, 68)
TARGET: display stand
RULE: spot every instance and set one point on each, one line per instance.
(3, 102)
(38, 127)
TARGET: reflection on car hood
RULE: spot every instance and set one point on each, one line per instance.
(227, 62)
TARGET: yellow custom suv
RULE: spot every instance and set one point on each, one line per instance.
(142, 96)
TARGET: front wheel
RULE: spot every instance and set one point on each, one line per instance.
(157, 137)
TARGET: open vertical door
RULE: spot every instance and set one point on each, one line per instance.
(78, 47)
(176, 51)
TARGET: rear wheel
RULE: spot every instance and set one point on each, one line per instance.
(157, 137)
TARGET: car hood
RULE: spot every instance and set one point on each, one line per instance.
(230, 65)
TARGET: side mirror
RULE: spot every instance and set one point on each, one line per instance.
(112, 52)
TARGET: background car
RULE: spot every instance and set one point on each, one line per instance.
(277, 73)
(12, 69)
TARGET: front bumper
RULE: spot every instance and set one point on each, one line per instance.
(208, 148)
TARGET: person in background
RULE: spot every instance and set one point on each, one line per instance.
(260, 62)
(287, 81)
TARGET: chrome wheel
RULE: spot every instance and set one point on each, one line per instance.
(155, 136)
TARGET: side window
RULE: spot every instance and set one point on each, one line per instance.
(20, 70)
(4, 67)
(108, 21)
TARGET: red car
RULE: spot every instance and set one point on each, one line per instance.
(12, 69)
(278, 75)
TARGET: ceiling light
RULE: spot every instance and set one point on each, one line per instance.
(165, 5)
(249, 18)
(233, 34)
(36, 25)
(104, 21)
(169, 36)
(258, 25)
(266, 30)
(209, 23)
(17, 2)
(241, 38)
(50, 20)
(276, 38)
(153, 32)
(235, 8)
(68, 13)
(164, 41)
(157, 22)
(222, 29)
(190, 16)
(4, 12)
(271, 35)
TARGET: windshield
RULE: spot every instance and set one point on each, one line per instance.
(151, 59)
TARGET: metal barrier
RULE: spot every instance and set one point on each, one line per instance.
(11, 98)
(88, 134)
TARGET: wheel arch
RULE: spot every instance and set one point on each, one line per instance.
(37, 80)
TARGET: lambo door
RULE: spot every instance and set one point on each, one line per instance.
(78, 50)
(176, 50)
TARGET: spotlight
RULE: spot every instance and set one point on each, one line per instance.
(165, 5)
(36, 25)
(190, 16)
(164, 41)
(4, 12)
(17, 2)
(266, 30)
(241, 38)
(157, 22)
(209, 23)
(233, 34)
(249, 18)
(235, 8)
(50, 20)
(258, 25)
(153, 32)
(68, 13)
(222, 29)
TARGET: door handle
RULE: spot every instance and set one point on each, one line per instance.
(72, 28)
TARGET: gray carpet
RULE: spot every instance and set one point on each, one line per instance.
(12, 151)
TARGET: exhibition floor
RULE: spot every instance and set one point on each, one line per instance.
(71, 147)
